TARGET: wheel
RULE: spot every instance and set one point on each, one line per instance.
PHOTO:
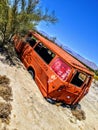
(50, 100)
(76, 106)
(31, 73)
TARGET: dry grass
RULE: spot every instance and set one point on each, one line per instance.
(4, 80)
(5, 111)
(6, 94)
(5, 90)
(79, 114)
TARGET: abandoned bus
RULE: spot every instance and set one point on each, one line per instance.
(59, 76)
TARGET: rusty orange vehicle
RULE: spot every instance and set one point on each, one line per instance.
(59, 76)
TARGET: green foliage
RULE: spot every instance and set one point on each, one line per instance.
(18, 16)
(96, 72)
(3, 18)
(96, 77)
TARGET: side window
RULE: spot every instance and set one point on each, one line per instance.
(31, 40)
(78, 79)
(61, 68)
(46, 54)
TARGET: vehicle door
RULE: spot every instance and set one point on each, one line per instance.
(43, 57)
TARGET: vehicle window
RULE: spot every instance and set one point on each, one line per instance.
(46, 54)
(61, 68)
(31, 40)
(78, 79)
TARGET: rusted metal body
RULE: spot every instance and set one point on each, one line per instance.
(58, 75)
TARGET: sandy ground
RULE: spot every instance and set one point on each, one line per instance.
(31, 112)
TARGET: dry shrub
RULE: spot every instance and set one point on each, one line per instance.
(5, 92)
(5, 111)
(96, 77)
(4, 80)
(79, 114)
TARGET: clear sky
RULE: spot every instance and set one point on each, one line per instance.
(77, 27)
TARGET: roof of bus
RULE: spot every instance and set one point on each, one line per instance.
(62, 53)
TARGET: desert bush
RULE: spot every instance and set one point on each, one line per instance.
(96, 77)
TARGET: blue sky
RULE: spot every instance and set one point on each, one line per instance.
(77, 27)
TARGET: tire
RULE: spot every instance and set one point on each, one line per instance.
(51, 101)
(31, 73)
(76, 106)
